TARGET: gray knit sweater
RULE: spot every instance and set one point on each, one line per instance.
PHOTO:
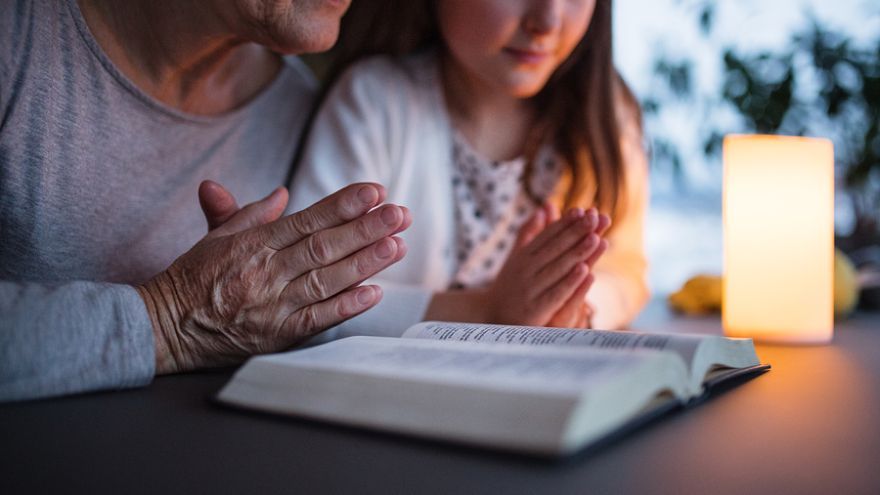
(98, 191)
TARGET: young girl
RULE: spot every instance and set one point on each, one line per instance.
(486, 118)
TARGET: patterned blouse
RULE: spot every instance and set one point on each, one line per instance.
(491, 204)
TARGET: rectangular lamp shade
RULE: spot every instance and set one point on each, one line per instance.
(778, 238)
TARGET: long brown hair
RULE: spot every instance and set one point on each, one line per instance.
(586, 135)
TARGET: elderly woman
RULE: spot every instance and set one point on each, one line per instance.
(111, 116)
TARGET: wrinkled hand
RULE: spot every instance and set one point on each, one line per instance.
(259, 283)
(548, 266)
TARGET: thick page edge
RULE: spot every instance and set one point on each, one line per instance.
(727, 380)
(712, 388)
(627, 430)
(630, 428)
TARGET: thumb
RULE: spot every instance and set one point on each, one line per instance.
(217, 203)
(254, 214)
(552, 211)
(604, 223)
(533, 226)
(576, 312)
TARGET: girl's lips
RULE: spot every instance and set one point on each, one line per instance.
(527, 56)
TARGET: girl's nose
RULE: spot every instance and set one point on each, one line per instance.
(543, 16)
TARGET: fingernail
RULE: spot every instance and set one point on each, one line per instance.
(368, 195)
(365, 295)
(407, 216)
(384, 249)
(401, 246)
(389, 216)
(576, 213)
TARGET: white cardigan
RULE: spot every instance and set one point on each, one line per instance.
(386, 121)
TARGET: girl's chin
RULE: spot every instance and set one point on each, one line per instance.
(525, 84)
(524, 90)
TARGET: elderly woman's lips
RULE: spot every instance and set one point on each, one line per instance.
(338, 4)
(527, 56)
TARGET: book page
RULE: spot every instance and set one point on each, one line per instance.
(550, 369)
(683, 345)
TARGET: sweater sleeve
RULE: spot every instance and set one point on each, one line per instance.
(72, 337)
(620, 289)
(353, 139)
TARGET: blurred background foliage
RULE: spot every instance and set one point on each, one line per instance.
(820, 83)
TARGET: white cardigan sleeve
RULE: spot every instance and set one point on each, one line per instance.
(354, 139)
(345, 145)
(620, 289)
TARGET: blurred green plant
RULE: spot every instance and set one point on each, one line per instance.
(820, 83)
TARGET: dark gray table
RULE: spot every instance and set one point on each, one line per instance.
(812, 425)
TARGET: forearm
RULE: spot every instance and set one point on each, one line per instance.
(616, 299)
(459, 305)
(70, 338)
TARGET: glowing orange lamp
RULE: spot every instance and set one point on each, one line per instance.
(778, 238)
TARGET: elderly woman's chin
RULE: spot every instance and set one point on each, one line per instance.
(317, 41)
(300, 26)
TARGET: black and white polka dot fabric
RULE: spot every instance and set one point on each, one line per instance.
(490, 206)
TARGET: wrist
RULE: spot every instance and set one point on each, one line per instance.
(590, 312)
(466, 305)
(495, 306)
(481, 308)
(164, 312)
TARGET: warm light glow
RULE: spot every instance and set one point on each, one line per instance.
(778, 238)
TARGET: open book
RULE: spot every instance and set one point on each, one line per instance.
(535, 390)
